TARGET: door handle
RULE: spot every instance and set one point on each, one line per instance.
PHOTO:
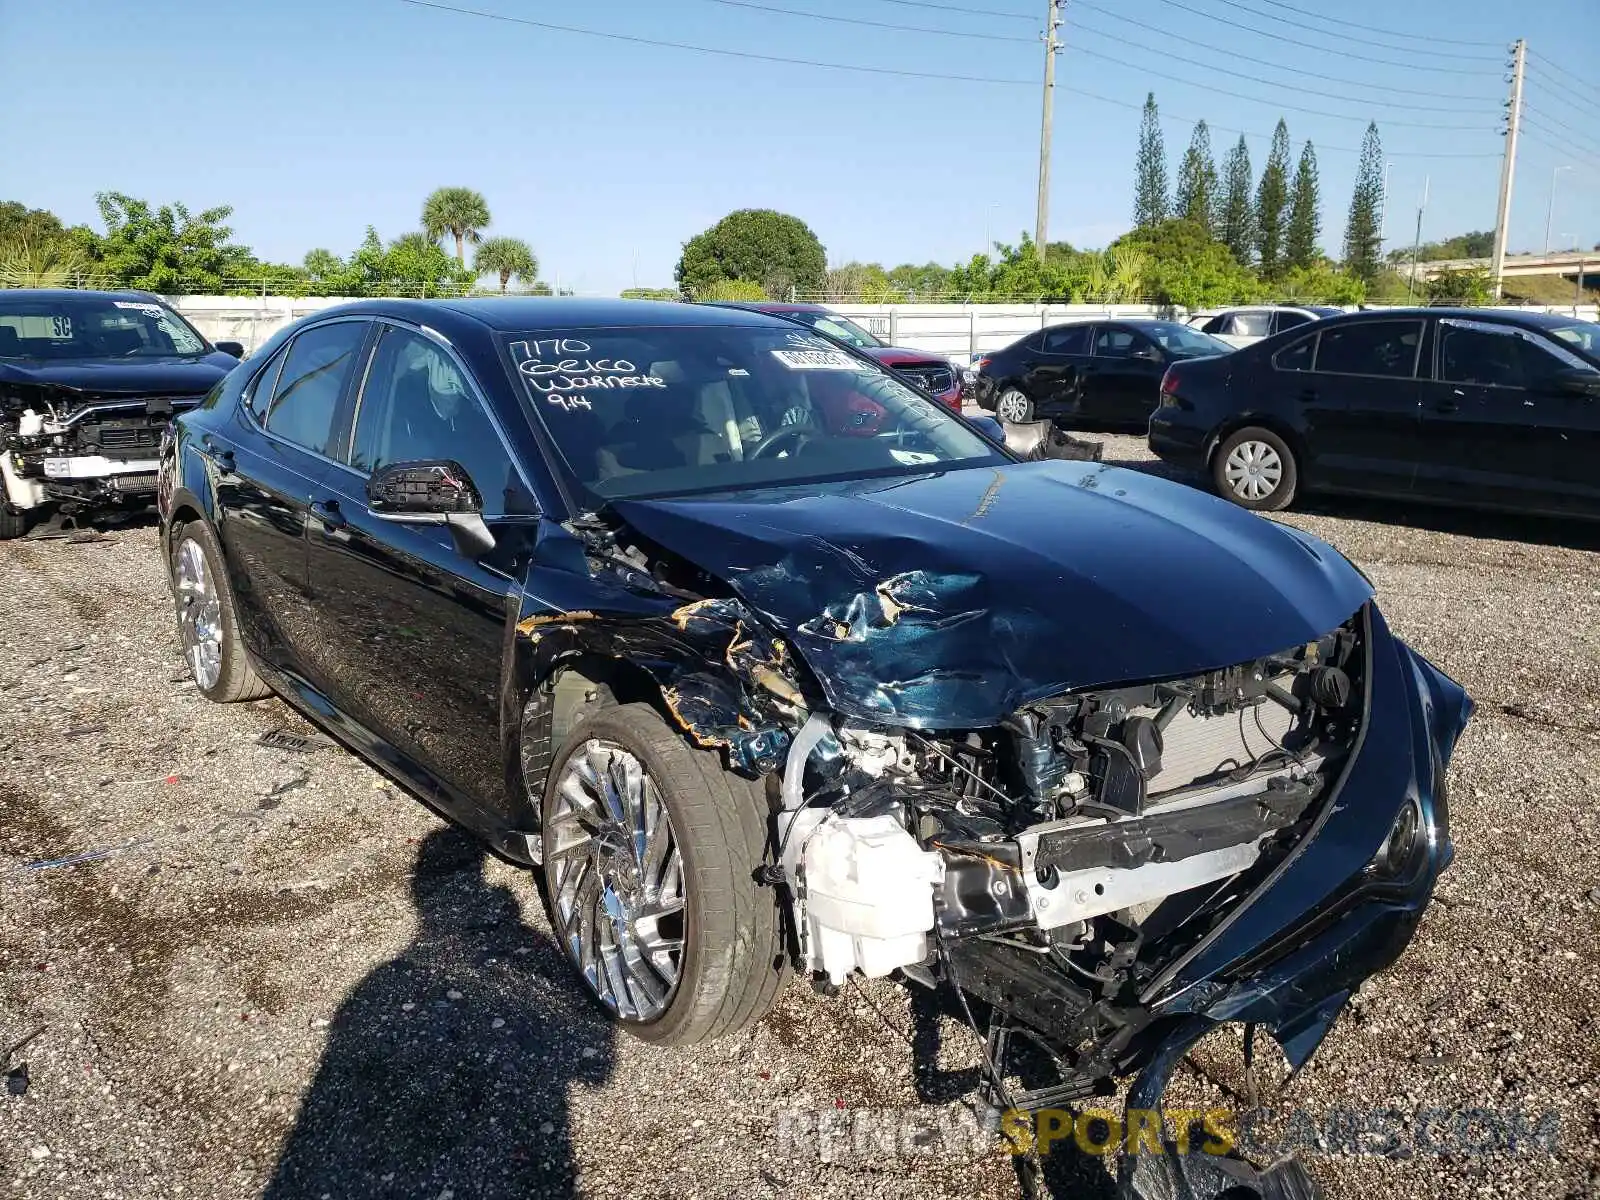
(221, 455)
(1307, 395)
(1447, 406)
(329, 513)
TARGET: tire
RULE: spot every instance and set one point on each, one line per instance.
(214, 621)
(12, 524)
(1255, 469)
(1016, 401)
(731, 963)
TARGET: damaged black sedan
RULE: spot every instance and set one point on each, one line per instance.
(765, 661)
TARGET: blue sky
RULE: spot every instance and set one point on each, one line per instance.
(314, 118)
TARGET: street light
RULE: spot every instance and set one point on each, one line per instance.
(1551, 211)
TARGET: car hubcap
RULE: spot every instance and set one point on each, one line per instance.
(616, 880)
(1253, 470)
(1013, 407)
(199, 615)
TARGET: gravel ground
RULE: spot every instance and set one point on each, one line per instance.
(282, 945)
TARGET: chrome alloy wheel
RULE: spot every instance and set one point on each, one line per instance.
(1013, 406)
(1253, 470)
(616, 880)
(199, 614)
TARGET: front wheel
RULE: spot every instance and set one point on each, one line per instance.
(1256, 469)
(1014, 406)
(650, 857)
(207, 624)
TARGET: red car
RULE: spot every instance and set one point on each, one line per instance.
(928, 371)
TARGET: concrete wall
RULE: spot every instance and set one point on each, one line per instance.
(955, 331)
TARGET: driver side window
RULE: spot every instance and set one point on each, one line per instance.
(417, 405)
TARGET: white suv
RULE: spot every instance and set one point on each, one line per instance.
(1242, 326)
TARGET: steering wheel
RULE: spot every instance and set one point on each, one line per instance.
(779, 436)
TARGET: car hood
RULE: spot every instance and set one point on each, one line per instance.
(948, 600)
(898, 356)
(135, 376)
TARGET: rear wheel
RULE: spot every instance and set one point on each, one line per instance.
(207, 626)
(1256, 469)
(650, 858)
(1014, 406)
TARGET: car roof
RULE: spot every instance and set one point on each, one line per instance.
(75, 294)
(768, 306)
(1514, 316)
(519, 314)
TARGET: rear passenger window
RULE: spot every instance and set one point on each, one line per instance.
(1067, 339)
(1386, 348)
(315, 370)
(1298, 356)
(1288, 320)
(1251, 324)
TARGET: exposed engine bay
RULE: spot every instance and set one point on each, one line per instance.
(1056, 864)
(81, 449)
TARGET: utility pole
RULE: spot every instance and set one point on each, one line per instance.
(1508, 168)
(1052, 22)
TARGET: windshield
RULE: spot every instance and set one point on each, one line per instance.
(63, 328)
(643, 412)
(1181, 339)
(1582, 336)
(835, 326)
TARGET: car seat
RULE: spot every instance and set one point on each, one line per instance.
(662, 429)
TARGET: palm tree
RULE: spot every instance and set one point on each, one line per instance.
(458, 211)
(40, 264)
(505, 257)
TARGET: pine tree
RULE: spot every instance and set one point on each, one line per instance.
(1238, 215)
(1361, 234)
(1150, 204)
(1272, 201)
(1197, 198)
(1305, 222)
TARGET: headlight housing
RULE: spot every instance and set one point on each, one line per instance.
(1403, 851)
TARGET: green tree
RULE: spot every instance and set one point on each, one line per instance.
(925, 282)
(506, 257)
(27, 262)
(458, 211)
(416, 259)
(1184, 266)
(1305, 219)
(168, 249)
(1469, 285)
(731, 289)
(1319, 283)
(1238, 214)
(1197, 198)
(866, 283)
(1272, 200)
(36, 226)
(773, 250)
(1361, 234)
(1150, 202)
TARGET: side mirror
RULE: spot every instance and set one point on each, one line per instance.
(432, 493)
(234, 348)
(1578, 383)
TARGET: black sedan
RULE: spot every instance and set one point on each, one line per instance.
(1480, 407)
(630, 591)
(88, 380)
(1088, 373)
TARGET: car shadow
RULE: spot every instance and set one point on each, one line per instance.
(1067, 1171)
(447, 1069)
(1571, 534)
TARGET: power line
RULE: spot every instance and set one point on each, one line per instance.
(1406, 104)
(746, 54)
(1577, 134)
(795, 12)
(1080, 6)
(1565, 94)
(1359, 57)
(1362, 25)
(957, 8)
(1565, 146)
(470, 12)
(1168, 77)
(1564, 150)
(1560, 70)
(1256, 12)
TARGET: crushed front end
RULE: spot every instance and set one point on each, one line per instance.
(1108, 873)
